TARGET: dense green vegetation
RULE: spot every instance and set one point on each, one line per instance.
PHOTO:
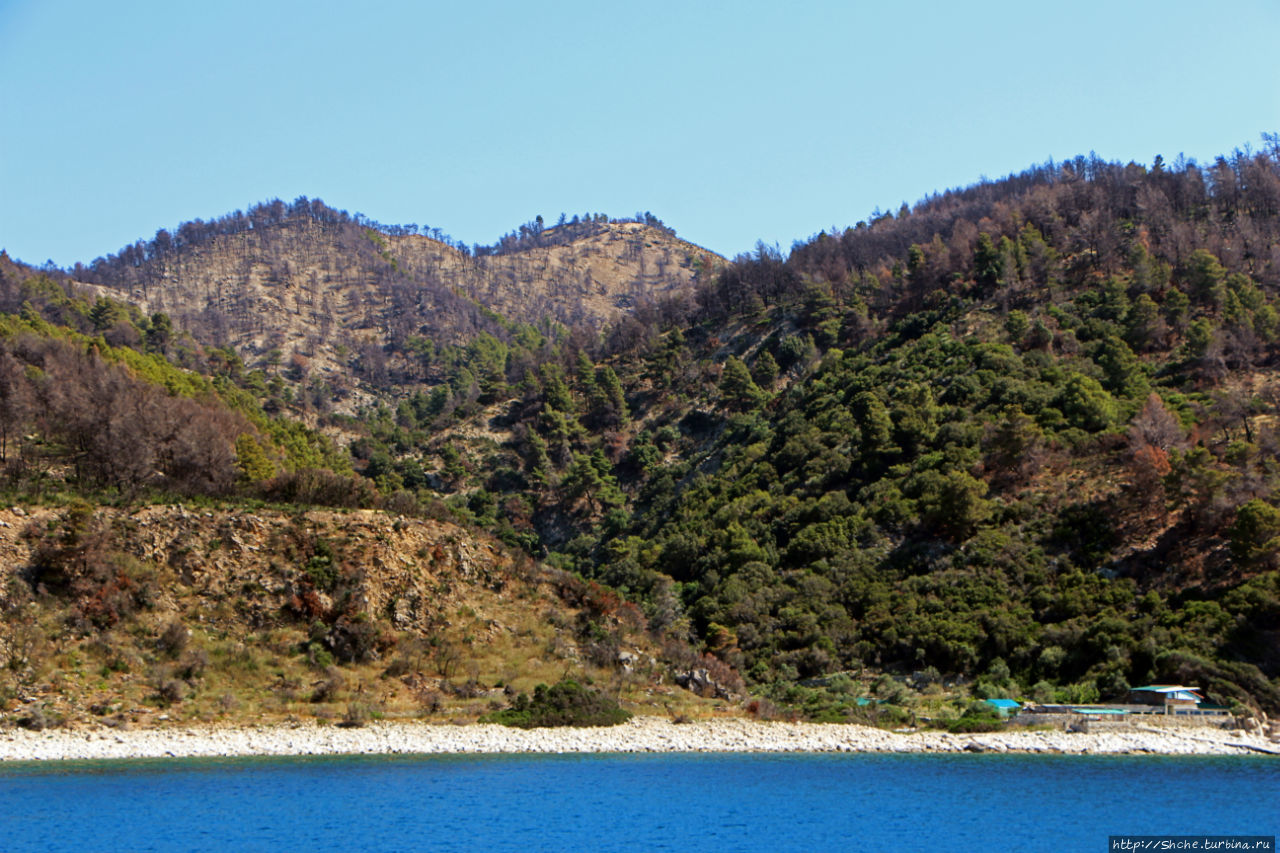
(1023, 434)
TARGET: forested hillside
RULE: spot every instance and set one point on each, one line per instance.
(1022, 433)
(1021, 436)
(170, 547)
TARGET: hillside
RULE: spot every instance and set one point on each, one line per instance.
(585, 277)
(254, 614)
(1023, 434)
(309, 287)
(1016, 441)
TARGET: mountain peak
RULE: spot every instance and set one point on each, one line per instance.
(310, 280)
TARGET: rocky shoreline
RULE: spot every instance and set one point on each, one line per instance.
(641, 734)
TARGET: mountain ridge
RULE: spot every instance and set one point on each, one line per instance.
(307, 280)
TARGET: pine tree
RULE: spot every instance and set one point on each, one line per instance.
(738, 389)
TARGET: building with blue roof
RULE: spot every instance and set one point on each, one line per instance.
(1005, 707)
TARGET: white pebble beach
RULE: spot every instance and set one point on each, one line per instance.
(641, 734)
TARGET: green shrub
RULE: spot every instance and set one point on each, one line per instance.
(978, 717)
(565, 703)
(38, 718)
(1255, 534)
(322, 566)
(173, 641)
(357, 715)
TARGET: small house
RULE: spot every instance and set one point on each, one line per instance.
(1171, 697)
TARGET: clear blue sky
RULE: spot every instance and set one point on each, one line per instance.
(732, 121)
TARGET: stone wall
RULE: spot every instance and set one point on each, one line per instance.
(1126, 723)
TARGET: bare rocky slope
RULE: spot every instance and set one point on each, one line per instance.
(315, 290)
(253, 614)
(591, 280)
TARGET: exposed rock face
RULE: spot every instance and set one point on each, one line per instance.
(407, 571)
(700, 681)
(253, 612)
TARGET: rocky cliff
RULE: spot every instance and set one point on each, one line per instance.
(213, 613)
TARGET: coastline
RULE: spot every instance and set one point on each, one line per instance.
(641, 734)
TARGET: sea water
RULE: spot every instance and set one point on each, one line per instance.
(677, 802)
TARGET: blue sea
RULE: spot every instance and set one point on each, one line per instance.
(624, 802)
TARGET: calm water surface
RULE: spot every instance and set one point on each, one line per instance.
(648, 802)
